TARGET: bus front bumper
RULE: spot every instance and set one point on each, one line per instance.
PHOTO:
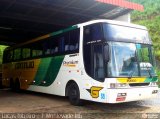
(131, 94)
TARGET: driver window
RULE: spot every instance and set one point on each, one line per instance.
(98, 62)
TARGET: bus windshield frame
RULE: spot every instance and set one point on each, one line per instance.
(129, 38)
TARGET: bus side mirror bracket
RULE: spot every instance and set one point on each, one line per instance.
(106, 53)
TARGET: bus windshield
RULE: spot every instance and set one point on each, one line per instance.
(130, 51)
(130, 59)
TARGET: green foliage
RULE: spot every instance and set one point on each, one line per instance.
(151, 19)
(151, 9)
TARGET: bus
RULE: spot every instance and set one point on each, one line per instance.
(101, 60)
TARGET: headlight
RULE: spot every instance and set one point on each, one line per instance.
(118, 85)
(121, 94)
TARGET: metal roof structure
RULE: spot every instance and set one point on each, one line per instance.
(22, 20)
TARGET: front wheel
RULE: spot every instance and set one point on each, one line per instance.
(74, 95)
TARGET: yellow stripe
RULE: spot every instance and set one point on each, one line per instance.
(131, 80)
(36, 39)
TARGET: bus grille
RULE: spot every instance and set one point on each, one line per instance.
(139, 84)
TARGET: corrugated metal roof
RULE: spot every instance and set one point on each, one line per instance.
(124, 3)
(21, 20)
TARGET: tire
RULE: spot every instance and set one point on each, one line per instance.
(11, 84)
(74, 94)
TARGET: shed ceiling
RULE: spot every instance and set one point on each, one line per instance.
(22, 20)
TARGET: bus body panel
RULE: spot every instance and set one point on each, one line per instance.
(132, 94)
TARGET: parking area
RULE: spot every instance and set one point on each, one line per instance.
(31, 102)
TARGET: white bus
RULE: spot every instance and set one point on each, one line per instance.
(100, 60)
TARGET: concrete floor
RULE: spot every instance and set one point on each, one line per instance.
(30, 102)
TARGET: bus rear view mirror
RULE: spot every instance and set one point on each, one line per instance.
(106, 53)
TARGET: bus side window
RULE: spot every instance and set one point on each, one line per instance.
(66, 42)
(61, 44)
(17, 54)
(36, 52)
(9, 56)
(54, 45)
(26, 53)
(74, 40)
(46, 47)
(37, 49)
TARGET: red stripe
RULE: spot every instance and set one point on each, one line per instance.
(123, 3)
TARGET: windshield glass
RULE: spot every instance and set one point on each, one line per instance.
(130, 59)
(146, 59)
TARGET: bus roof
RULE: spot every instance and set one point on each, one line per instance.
(80, 25)
(44, 36)
(120, 23)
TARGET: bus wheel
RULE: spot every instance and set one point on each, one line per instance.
(74, 95)
(11, 84)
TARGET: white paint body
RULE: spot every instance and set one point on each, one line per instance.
(79, 75)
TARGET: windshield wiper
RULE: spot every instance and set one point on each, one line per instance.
(149, 71)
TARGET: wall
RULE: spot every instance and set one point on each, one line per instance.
(125, 18)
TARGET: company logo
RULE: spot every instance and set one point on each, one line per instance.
(24, 65)
(94, 91)
(131, 80)
(70, 63)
